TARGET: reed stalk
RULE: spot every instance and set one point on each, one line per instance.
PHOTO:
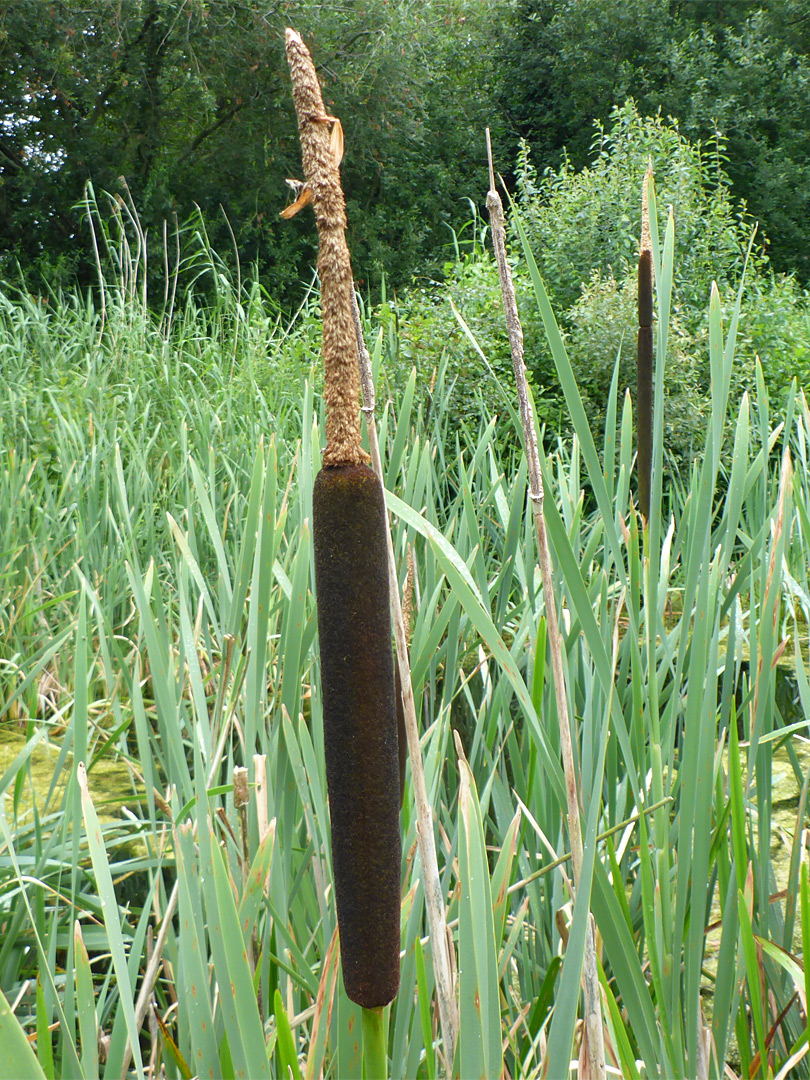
(594, 1036)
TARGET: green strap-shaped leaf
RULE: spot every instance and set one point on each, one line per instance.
(423, 998)
(236, 979)
(17, 1059)
(109, 906)
(479, 1051)
(254, 887)
(44, 1044)
(285, 1044)
(466, 591)
(501, 876)
(194, 957)
(85, 1005)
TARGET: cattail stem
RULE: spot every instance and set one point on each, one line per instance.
(241, 800)
(592, 993)
(375, 1051)
(644, 363)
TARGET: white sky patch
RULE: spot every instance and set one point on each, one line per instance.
(43, 153)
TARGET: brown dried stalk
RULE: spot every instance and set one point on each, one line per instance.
(593, 1002)
(321, 148)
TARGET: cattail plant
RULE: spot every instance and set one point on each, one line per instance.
(351, 577)
(644, 363)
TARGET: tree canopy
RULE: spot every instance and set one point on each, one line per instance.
(188, 100)
(190, 103)
(739, 68)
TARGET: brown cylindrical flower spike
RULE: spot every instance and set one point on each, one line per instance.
(360, 726)
(644, 366)
(351, 578)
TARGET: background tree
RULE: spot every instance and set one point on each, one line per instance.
(742, 68)
(187, 99)
(583, 225)
(189, 102)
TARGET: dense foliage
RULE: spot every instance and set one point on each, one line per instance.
(584, 227)
(190, 104)
(159, 436)
(157, 629)
(740, 68)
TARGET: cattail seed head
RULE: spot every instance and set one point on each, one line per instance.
(351, 578)
(241, 794)
(360, 725)
(646, 237)
(644, 362)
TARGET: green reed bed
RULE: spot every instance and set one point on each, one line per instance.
(157, 610)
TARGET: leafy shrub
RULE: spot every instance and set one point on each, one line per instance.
(742, 68)
(602, 328)
(776, 328)
(585, 226)
(423, 330)
(591, 219)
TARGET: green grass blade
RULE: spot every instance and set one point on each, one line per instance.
(109, 905)
(805, 920)
(44, 1041)
(752, 968)
(465, 590)
(239, 978)
(253, 892)
(323, 1009)
(424, 1001)
(349, 1041)
(478, 1052)
(248, 546)
(17, 1059)
(285, 1043)
(501, 878)
(85, 1006)
(195, 979)
(620, 1036)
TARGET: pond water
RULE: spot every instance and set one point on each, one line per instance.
(110, 782)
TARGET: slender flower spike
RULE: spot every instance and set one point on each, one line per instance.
(593, 1047)
(351, 579)
(644, 366)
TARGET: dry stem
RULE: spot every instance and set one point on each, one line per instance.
(593, 1005)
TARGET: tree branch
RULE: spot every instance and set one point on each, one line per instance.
(206, 132)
